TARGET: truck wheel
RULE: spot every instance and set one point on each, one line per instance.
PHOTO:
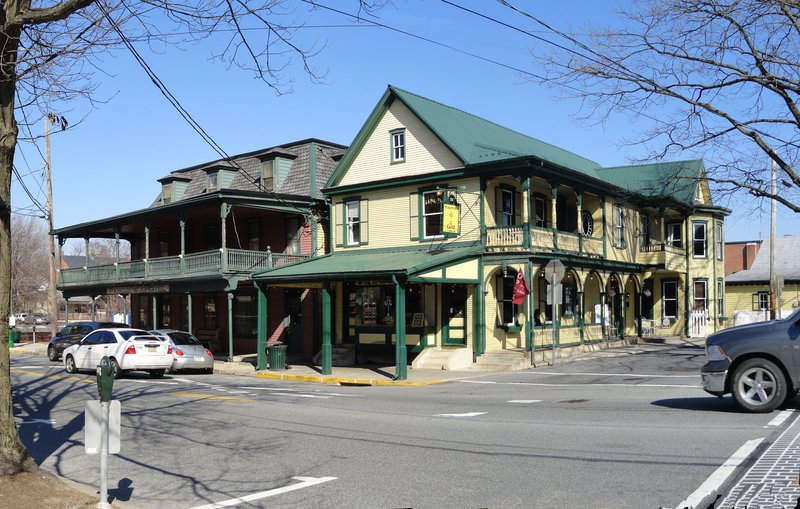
(759, 386)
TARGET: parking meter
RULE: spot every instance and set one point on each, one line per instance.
(105, 379)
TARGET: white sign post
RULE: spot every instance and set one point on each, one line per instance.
(554, 272)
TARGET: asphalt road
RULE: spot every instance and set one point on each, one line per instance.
(617, 431)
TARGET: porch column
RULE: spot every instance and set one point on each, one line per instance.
(58, 263)
(401, 355)
(261, 342)
(553, 202)
(86, 244)
(155, 310)
(66, 310)
(116, 253)
(223, 215)
(579, 206)
(146, 246)
(479, 318)
(581, 296)
(183, 241)
(605, 228)
(603, 331)
(125, 309)
(641, 314)
(189, 312)
(526, 224)
(326, 328)
(92, 306)
(230, 327)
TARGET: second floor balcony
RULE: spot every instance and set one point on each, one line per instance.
(217, 262)
(541, 239)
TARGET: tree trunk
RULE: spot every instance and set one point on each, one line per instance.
(13, 455)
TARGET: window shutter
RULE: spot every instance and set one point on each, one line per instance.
(338, 230)
(413, 215)
(517, 208)
(755, 302)
(498, 206)
(364, 218)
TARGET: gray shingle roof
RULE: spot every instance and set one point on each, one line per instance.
(248, 169)
(787, 264)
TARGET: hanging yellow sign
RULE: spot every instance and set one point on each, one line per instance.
(450, 219)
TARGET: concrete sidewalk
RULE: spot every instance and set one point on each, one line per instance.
(244, 365)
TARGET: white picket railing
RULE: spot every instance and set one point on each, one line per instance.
(698, 324)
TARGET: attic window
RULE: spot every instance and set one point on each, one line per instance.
(212, 182)
(166, 193)
(398, 145)
(267, 176)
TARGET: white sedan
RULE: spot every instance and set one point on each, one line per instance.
(127, 349)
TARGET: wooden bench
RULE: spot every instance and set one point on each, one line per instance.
(209, 338)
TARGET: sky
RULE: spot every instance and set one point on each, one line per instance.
(108, 162)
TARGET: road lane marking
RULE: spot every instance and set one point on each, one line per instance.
(58, 377)
(779, 419)
(534, 384)
(149, 382)
(609, 374)
(277, 389)
(707, 491)
(305, 482)
(196, 395)
(525, 401)
(468, 414)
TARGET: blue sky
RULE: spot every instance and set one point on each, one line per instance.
(109, 162)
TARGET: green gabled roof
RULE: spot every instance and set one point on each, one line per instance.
(677, 179)
(365, 264)
(472, 139)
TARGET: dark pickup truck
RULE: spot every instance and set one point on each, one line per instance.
(759, 364)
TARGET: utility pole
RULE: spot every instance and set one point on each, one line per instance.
(52, 292)
(773, 286)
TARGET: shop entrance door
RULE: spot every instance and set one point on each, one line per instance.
(455, 315)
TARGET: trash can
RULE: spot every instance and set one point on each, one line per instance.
(13, 335)
(276, 356)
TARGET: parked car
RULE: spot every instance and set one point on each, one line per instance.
(22, 318)
(40, 318)
(72, 333)
(759, 364)
(187, 351)
(127, 349)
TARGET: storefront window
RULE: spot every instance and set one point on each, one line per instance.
(210, 315)
(374, 306)
(245, 316)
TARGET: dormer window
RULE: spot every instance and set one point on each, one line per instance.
(212, 182)
(166, 193)
(398, 145)
(267, 176)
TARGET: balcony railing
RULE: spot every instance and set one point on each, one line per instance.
(208, 262)
(542, 239)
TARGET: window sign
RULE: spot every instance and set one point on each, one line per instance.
(450, 219)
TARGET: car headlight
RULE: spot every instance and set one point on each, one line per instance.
(716, 353)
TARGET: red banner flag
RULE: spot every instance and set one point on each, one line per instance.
(520, 289)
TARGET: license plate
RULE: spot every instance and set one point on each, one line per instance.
(151, 350)
(199, 359)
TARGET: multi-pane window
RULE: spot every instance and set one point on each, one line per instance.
(254, 235)
(292, 236)
(700, 295)
(166, 193)
(619, 227)
(507, 308)
(761, 301)
(398, 146)
(669, 297)
(506, 207)
(720, 297)
(644, 223)
(674, 236)
(212, 182)
(541, 212)
(432, 210)
(699, 240)
(267, 175)
(719, 241)
(353, 222)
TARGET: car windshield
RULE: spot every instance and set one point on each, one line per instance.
(128, 334)
(183, 338)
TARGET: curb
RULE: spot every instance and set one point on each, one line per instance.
(345, 380)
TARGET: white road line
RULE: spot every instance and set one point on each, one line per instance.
(779, 419)
(525, 401)
(20, 421)
(149, 382)
(14, 366)
(707, 492)
(533, 384)
(305, 482)
(301, 395)
(275, 389)
(468, 414)
(609, 374)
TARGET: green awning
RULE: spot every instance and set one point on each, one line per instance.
(372, 264)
